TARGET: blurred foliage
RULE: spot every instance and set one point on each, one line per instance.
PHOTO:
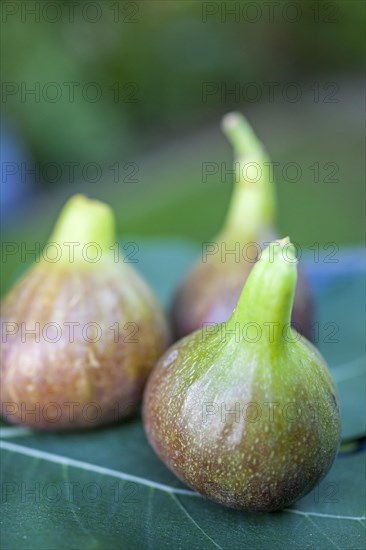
(162, 59)
(161, 54)
(169, 199)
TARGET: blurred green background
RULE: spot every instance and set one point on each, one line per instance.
(131, 94)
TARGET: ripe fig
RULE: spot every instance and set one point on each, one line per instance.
(246, 412)
(80, 332)
(210, 291)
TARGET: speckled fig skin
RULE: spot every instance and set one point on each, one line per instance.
(73, 382)
(207, 414)
(211, 290)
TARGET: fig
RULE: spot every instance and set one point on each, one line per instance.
(212, 288)
(245, 412)
(81, 329)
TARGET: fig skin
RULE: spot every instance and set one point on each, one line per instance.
(261, 458)
(74, 382)
(210, 291)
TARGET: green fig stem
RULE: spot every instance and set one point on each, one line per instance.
(84, 223)
(241, 135)
(252, 206)
(268, 295)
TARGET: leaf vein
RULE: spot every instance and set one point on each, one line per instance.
(185, 511)
(65, 461)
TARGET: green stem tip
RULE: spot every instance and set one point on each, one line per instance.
(241, 135)
(84, 221)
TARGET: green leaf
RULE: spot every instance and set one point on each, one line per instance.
(106, 488)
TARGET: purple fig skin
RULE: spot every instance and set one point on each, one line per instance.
(207, 458)
(104, 378)
(211, 290)
(207, 411)
(79, 338)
